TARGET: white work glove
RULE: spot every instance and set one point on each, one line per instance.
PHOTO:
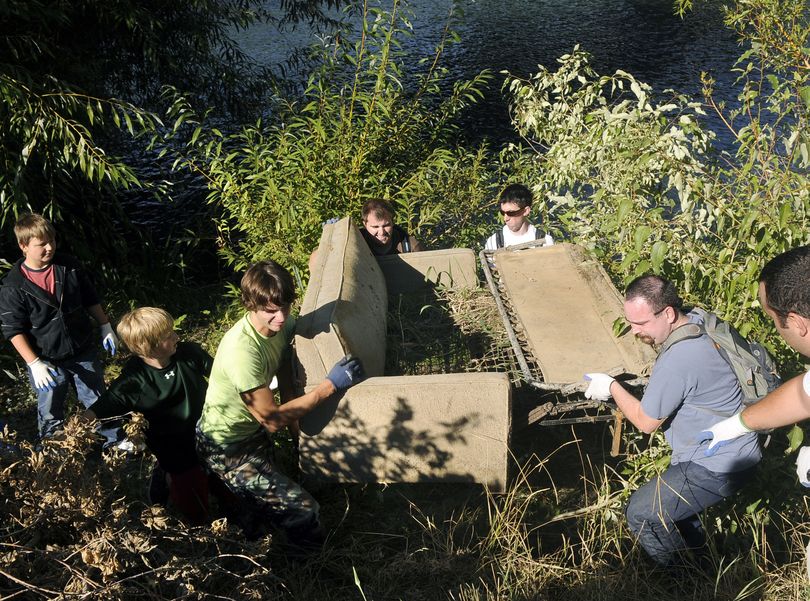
(599, 387)
(723, 433)
(803, 466)
(108, 338)
(43, 373)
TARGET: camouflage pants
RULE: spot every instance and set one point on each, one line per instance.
(249, 470)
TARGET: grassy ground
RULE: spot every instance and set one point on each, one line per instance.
(76, 523)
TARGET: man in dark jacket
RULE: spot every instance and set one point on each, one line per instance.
(380, 232)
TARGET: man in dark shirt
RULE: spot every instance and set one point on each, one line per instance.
(380, 232)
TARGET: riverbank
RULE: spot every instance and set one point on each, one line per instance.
(80, 522)
(616, 168)
(83, 527)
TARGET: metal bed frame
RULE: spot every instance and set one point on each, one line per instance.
(558, 403)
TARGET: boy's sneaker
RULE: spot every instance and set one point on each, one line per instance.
(127, 446)
(158, 487)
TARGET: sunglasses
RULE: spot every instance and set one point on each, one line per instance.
(514, 213)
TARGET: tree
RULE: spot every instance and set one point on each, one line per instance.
(75, 75)
(382, 131)
(638, 181)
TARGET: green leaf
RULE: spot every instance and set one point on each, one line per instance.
(658, 254)
(625, 206)
(641, 236)
(785, 213)
(804, 92)
(795, 438)
(642, 268)
(619, 326)
(804, 153)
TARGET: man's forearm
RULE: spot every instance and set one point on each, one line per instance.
(262, 405)
(293, 410)
(786, 405)
(630, 406)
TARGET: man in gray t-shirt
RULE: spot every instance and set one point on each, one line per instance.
(691, 388)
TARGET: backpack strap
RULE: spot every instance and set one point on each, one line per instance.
(685, 332)
(405, 239)
(499, 238)
(689, 331)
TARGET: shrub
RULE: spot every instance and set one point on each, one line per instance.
(360, 129)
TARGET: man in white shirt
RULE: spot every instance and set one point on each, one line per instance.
(785, 298)
(515, 205)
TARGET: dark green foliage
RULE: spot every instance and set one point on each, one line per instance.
(76, 82)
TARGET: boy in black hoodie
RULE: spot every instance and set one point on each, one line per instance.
(46, 305)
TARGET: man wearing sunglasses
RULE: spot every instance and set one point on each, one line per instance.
(515, 206)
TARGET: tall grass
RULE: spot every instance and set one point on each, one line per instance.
(80, 526)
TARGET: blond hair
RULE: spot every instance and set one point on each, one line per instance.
(33, 225)
(143, 329)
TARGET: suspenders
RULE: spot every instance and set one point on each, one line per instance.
(538, 235)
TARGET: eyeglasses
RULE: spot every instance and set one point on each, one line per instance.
(514, 213)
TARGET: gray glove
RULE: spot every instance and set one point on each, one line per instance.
(108, 338)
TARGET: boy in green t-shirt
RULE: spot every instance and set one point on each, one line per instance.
(165, 380)
(240, 411)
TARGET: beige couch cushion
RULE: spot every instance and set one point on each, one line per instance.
(447, 427)
(344, 308)
(450, 267)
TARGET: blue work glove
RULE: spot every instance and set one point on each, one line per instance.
(43, 374)
(108, 338)
(723, 433)
(346, 373)
(331, 220)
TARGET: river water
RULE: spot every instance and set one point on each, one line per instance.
(642, 37)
